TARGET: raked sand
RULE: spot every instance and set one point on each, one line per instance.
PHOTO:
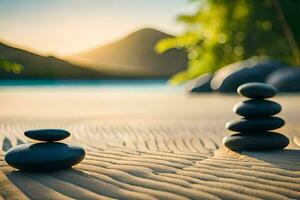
(145, 145)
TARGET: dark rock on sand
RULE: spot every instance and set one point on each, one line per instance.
(48, 135)
(44, 156)
(257, 90)
(255, 124)
(286, 79)
(200, 84)
(253, 129)
(256, 141)
(256, 108)
(230, 77)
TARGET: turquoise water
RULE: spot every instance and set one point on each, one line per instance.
(146, 84)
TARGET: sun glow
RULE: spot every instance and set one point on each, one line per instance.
(65, 27)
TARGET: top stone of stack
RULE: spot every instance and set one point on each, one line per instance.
(257, 90)
(47, 135)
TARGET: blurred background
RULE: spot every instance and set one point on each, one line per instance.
(199, 45)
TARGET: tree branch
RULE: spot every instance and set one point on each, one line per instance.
(288, 32)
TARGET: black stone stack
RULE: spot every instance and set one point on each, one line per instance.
(257, 122)
(48, 154)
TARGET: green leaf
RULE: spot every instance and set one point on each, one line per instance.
(10, 66)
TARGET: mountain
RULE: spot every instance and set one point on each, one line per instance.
(130, 57)
(134, 55)
(41, 67)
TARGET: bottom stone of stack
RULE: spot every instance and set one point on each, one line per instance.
(256, 141)
(44, 156)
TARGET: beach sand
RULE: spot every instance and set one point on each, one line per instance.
(146, 145)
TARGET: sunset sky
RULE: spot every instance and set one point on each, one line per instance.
(63, 27)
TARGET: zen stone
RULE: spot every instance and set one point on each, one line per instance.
(44, 156)
(256, 124)
(256, 69)
(286, 79)
(200, 84)
(257, 108)
(257, 90)
(48, 135)
(256, 141)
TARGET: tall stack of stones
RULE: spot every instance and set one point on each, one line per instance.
(254, 129)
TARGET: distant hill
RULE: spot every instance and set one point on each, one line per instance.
(134, 55)
(130, 57)
(40, 67)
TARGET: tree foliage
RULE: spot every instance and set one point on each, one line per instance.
(225, 31)
(10, 66)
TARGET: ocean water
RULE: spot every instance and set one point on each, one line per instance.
(130, 84)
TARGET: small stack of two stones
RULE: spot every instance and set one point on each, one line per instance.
(257, 122)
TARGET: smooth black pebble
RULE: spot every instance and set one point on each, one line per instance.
(257, 108)
(257, 90)
(256, 141)
(256, 124)
(48, 135)
(44, 156)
